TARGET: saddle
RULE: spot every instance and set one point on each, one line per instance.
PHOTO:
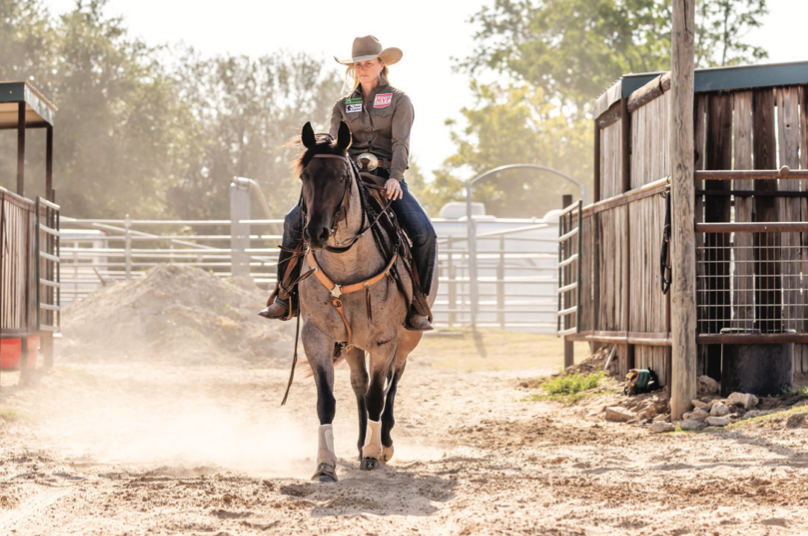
(392, 234)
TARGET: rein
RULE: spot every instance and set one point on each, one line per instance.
(342, 211)
(335, 290)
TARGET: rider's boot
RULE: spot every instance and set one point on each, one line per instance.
(417, 322)
(279, 303)
(279, 310)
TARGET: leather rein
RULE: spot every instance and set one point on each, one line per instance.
(342, 211)
(338, 290)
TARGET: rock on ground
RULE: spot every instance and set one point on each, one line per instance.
(697, 414)
(707, 386)
(718, 421)
(690, 425)
(745, 400)
(661, 427)
(719, 410)
(618, 414)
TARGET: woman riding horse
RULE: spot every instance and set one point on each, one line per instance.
(380, 118)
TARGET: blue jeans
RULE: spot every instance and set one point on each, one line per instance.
(413, 219)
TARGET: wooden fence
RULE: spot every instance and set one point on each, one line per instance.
(29, 271)
(752, 280)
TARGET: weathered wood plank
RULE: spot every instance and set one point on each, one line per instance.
(718, 155)
(744, 268)
(788, 130)
(611, 160)
(767, 246)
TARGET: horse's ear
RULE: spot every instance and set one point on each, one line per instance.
(344, 136)
(307, 136)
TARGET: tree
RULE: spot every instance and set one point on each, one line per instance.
(553, 58)
(721, 24)
(135, 136)
(508, 125)
(114, 128)
(244, 110)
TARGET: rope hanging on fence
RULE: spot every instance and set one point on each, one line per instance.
(664, 267)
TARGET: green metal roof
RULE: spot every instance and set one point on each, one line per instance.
(714, 79)
(38, 110)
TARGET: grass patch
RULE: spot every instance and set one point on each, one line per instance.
(570, 389)
(12, 415)
(796, 417)
(493, 349)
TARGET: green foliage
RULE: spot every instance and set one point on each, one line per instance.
(152, 131)
(720, 26)
(243, 110)
(552, 58)
(516, 124)
(571, 388)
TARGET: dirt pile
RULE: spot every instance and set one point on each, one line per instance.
(175, 313)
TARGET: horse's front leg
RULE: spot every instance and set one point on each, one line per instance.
(381, 359)
(319, 350)
(359, 381)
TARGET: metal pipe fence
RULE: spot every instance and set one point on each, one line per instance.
(516, 262)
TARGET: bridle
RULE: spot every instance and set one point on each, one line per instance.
(341, 213)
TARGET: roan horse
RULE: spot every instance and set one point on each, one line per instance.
(333, 218)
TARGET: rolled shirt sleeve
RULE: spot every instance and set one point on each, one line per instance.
(403, 118)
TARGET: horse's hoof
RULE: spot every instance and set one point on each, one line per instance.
(325, 473)
(387, 454)
(369, 464)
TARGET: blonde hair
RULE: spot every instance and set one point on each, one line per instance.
(351, 79)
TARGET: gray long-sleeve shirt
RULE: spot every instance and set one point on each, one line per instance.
(380, 125)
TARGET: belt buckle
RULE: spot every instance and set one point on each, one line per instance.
(367, 162)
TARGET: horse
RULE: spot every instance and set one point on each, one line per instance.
(333, 315)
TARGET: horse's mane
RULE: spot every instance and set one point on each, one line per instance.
(326, 144)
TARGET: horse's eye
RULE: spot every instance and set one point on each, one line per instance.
(343, 178)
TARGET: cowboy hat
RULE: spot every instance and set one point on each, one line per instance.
(368, 47)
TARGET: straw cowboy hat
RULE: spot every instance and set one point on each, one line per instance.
(368, 47)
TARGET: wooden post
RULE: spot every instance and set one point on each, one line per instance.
(683, 297)
(21, 149)
(569, 346)
(49, 164)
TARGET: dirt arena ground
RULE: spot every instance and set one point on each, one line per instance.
(132, 448)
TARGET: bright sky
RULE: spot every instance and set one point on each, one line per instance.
(429, 32)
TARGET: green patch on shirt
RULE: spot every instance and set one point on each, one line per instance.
(356, 100)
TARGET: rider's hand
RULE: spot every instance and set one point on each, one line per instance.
(393, 189)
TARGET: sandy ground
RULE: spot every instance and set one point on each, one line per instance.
(137, 449)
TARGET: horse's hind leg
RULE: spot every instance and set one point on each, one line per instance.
(319, 351)
(381, 361)
(388, 419)
(359, 381)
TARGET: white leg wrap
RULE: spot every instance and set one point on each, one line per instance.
(373, 441)
(325, 452)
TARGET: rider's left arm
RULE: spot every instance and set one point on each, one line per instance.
(403, 118)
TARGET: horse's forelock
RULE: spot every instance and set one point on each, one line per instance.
(326, 144)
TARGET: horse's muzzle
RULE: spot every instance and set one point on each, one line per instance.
(318, 241)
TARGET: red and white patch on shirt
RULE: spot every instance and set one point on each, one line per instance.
(383, 100)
